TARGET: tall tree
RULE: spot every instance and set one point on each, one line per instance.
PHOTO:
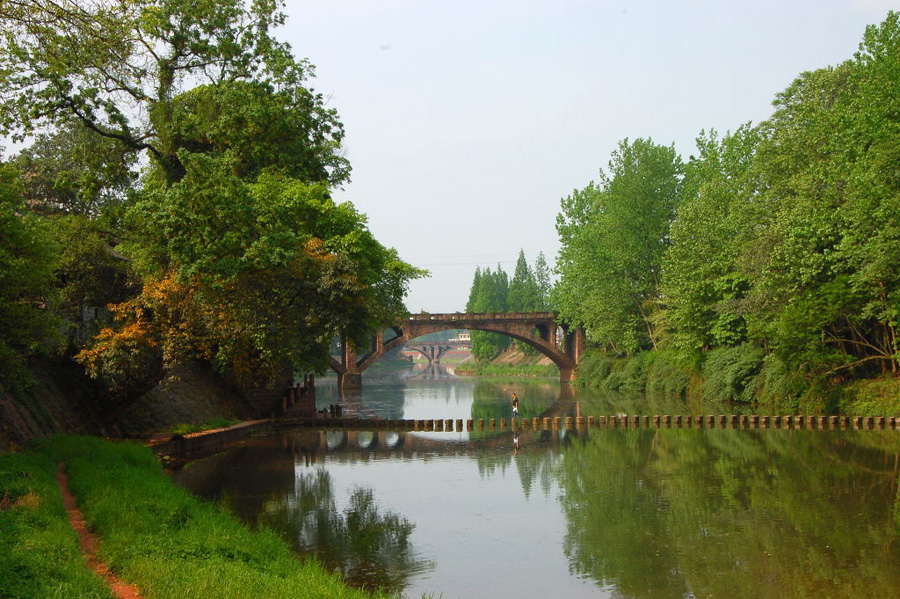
(826, 296)
(613, 238)
(123, 70)
(715, 221)
(489, 293)
(523, 291)
(245, 259)
(26, 282)
(542, 281)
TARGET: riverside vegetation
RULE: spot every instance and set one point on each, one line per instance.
(153, 534)
(174, 202)
(761, 270)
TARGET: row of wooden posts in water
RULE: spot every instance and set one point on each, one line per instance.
(622, 421)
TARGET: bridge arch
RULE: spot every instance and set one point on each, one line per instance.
(564, 352)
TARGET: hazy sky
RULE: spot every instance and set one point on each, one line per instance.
(468, 121)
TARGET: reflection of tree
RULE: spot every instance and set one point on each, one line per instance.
(370, 549)
(493, 400)
(734, 513)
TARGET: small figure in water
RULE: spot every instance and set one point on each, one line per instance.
(515, 402)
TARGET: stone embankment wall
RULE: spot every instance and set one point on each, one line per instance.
(57, 402)
(63, 400)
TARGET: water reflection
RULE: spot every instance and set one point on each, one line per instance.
(734, 513)
(369, 548)
(640, 514)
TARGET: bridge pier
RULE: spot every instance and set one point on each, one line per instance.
(566, 376)
(349, 383)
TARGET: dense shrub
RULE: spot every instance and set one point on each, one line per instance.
(729, 373)
(667, 374)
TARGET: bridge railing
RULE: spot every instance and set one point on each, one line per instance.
(482, 316)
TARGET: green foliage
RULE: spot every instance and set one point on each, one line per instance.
(243, 259)
(613, 237)
(185, 428)
(713, 221)
(291, 271)
(55, 69)
(550, 371)
(667, 374)
(628, 375)
(26, 283)
(523, 294)
(40, 555)
(874, 397)
(75, 171)
(489, 294)
(167, 542)
(90, 276)
(729, 373)
(784, 240)
(594, 368)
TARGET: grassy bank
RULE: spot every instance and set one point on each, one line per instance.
(511, 363)
(153, 534)
(40, 554)
(740, 374)
(509, 370)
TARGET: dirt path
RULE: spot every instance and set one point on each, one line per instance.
(89, 541)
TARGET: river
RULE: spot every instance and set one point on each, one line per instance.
(649, 513)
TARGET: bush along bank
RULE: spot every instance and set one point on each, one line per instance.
(743, 374)
(511, 363)
(509, 370)
(152, 533)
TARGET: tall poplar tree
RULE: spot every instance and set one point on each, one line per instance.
(613, 238)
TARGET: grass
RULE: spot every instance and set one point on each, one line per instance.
(185, 428)
(153, 533)
(40, 556)
(511, 370)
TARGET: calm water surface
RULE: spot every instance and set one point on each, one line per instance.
(603, 513)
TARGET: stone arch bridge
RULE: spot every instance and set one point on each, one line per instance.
(540, 330)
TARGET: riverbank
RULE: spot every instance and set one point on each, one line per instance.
(511, 363)
(741, 375)
(152, 534)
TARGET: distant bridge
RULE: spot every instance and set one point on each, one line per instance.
(435, 350)
(540, 330)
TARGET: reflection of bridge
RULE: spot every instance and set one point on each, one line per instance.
(540, 330)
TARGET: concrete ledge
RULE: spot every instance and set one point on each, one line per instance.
(202, 443)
